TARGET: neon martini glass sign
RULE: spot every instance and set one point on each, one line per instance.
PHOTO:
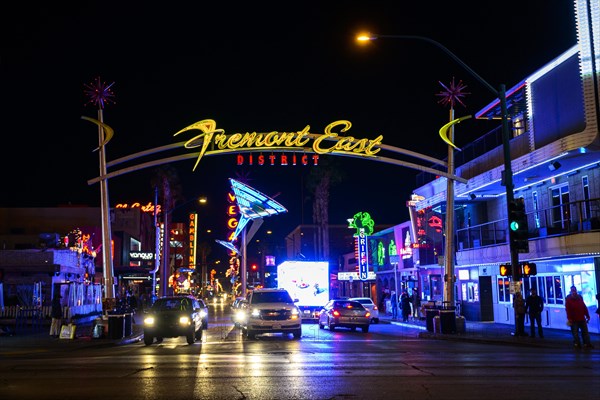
(252, 205)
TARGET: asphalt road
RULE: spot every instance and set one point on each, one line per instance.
(389, 361)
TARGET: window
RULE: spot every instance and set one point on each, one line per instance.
(561, 215)
(503, 289)
(558, 293)
(587, 212)
(436, 287)
(585, 284)
(536, 209)
(518, 127)
(470, 291)
(550, 290)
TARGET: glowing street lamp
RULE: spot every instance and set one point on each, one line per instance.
(501, 94)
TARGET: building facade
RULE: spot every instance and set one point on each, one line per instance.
(555, 154)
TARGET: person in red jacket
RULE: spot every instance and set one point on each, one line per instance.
(578, 318)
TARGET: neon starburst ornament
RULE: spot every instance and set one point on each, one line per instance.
(452, 93)
(99, 93)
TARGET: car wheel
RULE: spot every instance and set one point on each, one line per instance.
(365, 328)
(376, 320)
(191, 337)
(298, 334)
(331, 326)
(148, 340)
(321, 326)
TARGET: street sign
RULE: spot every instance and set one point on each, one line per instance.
(515, 286)
(363, 265)
(351, 276)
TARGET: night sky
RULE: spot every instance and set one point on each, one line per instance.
(252, 66)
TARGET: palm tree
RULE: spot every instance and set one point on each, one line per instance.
(319, 182)
(170, 191)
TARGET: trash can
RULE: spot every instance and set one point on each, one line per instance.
(128, 324)
(448, 319)
(116, 326)
(460, 324)
(430, 313)
(99, 329)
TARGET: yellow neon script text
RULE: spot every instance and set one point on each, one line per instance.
(280, 140)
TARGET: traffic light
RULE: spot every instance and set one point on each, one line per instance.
(529, 269)
(505, 270)
(254, 267)
(517, 223)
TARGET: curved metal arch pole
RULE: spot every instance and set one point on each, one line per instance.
(182, 157)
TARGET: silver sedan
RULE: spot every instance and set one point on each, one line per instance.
(344, 314)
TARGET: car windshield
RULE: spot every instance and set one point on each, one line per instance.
(172, 305)
(347, 304)
(271, 297)
(365, 301)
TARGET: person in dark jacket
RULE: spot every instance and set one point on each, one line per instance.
(534, 305)
(56, 314)
(394, 305)
(405, 304)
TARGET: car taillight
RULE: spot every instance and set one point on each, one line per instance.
(375, 308)
(368, 314)
(336, 313)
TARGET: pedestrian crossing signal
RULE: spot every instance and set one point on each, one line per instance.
(505, 270)
(529, 269)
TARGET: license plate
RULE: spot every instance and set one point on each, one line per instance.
(276, 326)
(306, 311)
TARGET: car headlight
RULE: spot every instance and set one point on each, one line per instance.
(255, 313)
(149, 321)
(184, 320)
(295, 313)
(240, 316)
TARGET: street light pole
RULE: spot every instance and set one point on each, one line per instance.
(501, 94)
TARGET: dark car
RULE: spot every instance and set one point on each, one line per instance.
(237, 313)
(344, 314)
(174, 316)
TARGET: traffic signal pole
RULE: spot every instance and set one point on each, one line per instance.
(510, 196)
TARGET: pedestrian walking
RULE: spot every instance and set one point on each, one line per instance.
(405, 304)
(519, 306)
(394, 304)
(578, 317)
(534, 306)
(56, 314)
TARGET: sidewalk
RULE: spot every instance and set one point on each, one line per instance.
(84, 335)
(491, 332)
(479, 332)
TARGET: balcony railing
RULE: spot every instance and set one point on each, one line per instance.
(574, 217)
